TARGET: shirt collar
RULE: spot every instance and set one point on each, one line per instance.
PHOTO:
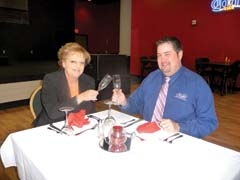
(176, 75)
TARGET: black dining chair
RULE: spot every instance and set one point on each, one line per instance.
(203, 69)
(147, 65)
(232, 76)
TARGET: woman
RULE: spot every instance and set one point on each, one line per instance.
(68, 86)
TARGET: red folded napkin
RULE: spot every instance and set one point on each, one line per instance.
(78, 118)
(148, 127)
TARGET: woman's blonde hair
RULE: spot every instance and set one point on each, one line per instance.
(72, 47)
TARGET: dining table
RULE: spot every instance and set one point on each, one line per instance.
(42, 153)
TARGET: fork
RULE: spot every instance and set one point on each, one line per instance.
(52, 127)
(123, 123)
(175, 138)
(94, 117)
(53, 130)
(92, 128)
(166, 139)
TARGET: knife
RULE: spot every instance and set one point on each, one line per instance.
(175, 138)
(133, 123)
(56, 128)
(94, 117)
(166, 139)
(53, 129)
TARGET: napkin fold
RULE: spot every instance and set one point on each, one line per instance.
(78, 118)
(148, 127)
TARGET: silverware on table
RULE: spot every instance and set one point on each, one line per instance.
(53, 129)
(133, 134)
(126, 122)
(57, 129)
(94, 117)
(166, 139)
(92, 128)
(175, 138)
(133, 123)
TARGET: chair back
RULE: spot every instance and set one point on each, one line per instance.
(198, 64)
(235, 68)
(35, 102)
(232, 76)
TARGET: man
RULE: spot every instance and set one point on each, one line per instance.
(189, 106)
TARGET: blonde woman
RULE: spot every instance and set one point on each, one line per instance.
(68, 86)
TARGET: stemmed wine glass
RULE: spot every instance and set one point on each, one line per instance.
(108, 122)
(104, 82)
(116, 83)
(68, 129)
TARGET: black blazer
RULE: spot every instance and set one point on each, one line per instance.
(55, 94)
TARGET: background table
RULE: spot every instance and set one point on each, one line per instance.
(41, 154)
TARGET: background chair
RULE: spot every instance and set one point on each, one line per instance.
(226, 77)
(148, 64)
(203, 69)
(35, 102)
(232, 76)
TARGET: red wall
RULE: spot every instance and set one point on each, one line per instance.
(216, 35)
(101, 23)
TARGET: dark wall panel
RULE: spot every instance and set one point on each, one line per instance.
(51, 24)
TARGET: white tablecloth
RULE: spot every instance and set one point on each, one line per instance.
(42, 154)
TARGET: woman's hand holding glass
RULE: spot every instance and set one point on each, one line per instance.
(89, 95)
(106, 80)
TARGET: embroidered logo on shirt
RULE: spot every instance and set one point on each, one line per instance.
(181, 96)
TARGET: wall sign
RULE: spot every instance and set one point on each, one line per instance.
(224, 5)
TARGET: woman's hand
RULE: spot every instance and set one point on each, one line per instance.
(89, 95)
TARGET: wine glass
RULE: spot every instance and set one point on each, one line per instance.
(108, 122)
(116, 83)
(104, 82)
(68, 129)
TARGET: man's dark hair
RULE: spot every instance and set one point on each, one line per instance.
(173, 40)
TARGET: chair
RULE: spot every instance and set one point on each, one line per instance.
(199, 63)
(226, 77)
(232, 76)
(147, 66)
(203, 69)
(35, 102)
